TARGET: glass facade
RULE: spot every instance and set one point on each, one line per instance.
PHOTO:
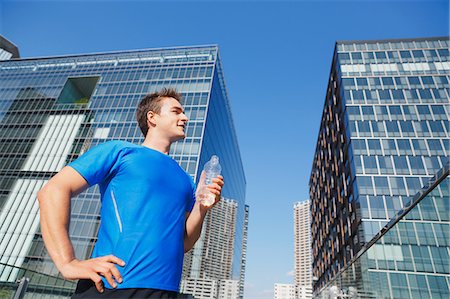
(409, 258)
(384, 132)
(54, 109)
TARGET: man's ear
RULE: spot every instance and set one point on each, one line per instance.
(151, 118)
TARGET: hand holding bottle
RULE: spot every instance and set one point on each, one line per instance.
(212, 170)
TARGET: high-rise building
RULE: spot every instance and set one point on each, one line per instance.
(391, 249)
(216, 252)
(384, 132)
(302, 245)
(284, 291)
(53, 109)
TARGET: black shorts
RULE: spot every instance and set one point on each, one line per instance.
(86, 289)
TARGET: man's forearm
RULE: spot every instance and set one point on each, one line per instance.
(194, 225)
(54, 204)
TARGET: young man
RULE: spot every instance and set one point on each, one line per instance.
(149, 216)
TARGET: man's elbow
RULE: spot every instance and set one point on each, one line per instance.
(45, 192)
(41, 194)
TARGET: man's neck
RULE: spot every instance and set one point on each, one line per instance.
(157, 144)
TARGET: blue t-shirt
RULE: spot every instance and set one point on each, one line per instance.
(145, 196)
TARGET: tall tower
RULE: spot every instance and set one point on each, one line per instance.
(302, 237)
(53, 109)
(384, 132)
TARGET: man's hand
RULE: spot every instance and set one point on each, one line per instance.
(93, 269)
(215, 188)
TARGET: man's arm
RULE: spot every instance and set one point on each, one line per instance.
(54, 202)
(194, 220)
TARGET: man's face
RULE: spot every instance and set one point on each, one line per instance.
(171, 120)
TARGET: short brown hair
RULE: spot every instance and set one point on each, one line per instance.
(151, 102)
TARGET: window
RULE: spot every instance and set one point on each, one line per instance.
(348, 83)
(401, 165)
(404, 147)
(414, 82)
(364, 129)
(362, 83)
(365, 185)
(381, 112)
(388, 82)
(374, 146)
(430, 54)
(407, 128)
(409, 112)
(357, 57)
(406, 55)
(420, 147)
(399, 285)
(358, 164)
(401, 82)
(377, 205)
(444, 54)
(412, 96)
(358, 96)
(425, 95)
(370, 164)
(393, 56)
(428, 81)
(375, 82)
(371, 96)
(418, 55)
(368, 57)
(344, 58)
(385, 96)
(439, 112)
(441, 81)
(359, 146)
(397, 185)
(382, 188)
(398, 96)
(353, 113)
(421, 128)
(392, 128)
(417, 166)
(386, 164)
(381, 56)
(389, 146)
(437, 128)
(368, 112)
(435, 147)
(396, 112)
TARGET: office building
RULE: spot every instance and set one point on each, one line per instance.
(302, 245)
(384, 132)
(284, 291)
(53, 109)
(396, 248)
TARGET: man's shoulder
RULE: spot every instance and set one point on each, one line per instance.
(118, 144)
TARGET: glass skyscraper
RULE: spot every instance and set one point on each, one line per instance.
(54, 109)
(384, 132)
(372, 273)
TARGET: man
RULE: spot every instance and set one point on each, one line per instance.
(149, 216)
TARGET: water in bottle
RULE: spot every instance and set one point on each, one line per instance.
(212, 169)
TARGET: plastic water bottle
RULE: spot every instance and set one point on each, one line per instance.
(212, 169)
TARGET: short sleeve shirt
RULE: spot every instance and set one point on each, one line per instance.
(145, 195)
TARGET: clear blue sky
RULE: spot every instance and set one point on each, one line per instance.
(276, 57)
